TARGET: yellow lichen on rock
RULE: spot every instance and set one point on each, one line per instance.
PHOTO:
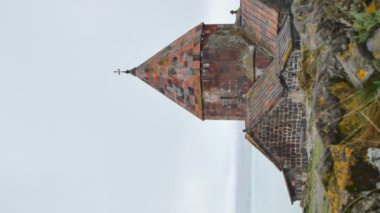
(376, 54)
(340, 89)
(342, 156)
(361, 74)
(322, 101)
(371, 9)
(346, 53)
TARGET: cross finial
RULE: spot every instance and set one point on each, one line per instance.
(118, 71)
(233, 12)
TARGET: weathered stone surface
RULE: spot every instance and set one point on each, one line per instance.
(373, 156)
(328, 35)
(307, 19)
(327, 113)
(357, 68)
(370, 204)
(325, 167)
(373, 44)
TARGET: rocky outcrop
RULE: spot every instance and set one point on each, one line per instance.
(341, 45)
(327, 33)
(370, 203)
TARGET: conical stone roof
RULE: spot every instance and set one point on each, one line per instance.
(175, 71)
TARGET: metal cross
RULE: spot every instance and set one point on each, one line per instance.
(118, 71)
(233, 12)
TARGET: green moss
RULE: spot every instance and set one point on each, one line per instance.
(348, 125)
(376, 64)
(341, 89)
(348, 102)
(325, 208)
(370, 114)
(354, 103)
(313, 200)
(306, 76)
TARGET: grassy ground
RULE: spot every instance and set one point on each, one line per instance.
(317, 201)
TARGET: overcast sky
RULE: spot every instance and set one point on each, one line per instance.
(77, 138)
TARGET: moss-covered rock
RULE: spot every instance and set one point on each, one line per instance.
(341, 50)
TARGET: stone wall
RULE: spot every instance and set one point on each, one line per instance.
(268, 27)
(280, 131)
(263, 95)
(284, 42)
(260, 23)
(227, 61)
(295, 179)
(262, 61)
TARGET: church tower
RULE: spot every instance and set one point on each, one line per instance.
(214, 72)
(207, 71)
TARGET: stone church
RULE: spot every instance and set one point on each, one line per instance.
(243, 71)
